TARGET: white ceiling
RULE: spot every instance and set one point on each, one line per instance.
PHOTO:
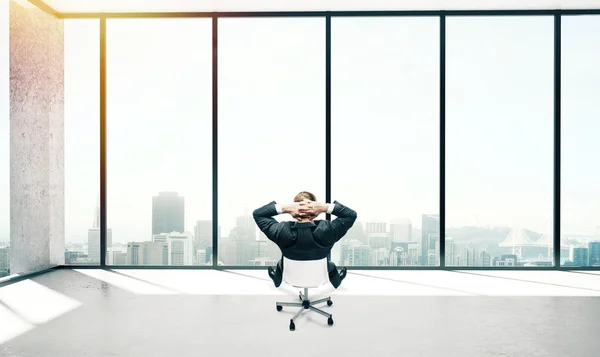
(309, 5)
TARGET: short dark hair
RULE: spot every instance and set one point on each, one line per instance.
(304, 195)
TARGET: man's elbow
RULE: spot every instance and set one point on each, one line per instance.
(256, 215)
(353, 216)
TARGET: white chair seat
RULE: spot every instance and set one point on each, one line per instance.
(305, 273)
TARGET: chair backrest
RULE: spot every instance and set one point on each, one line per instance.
(305, 273)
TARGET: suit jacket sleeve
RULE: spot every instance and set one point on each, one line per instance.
(263, 217)
(339, 226)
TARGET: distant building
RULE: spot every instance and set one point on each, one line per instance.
(399, 255)
(506, 260)
(4, 261)
(263, 262)
(116, 257)
(168, 209)
(485, 259)
(181, 248)
(245, 227)
(201, 257)
(203, 234)
(433, 249)
(361, 256)
(147, 253)
(94, 237)
(430, 224)
(380, 256)
(379, 240)
(400, 230)
(376, 227)
(160, 238)
(468, 257)
(73, 256)
(451, 252)
(208, 254)
(354, 253)
(594, 253)
(579, 256)
(94, 243)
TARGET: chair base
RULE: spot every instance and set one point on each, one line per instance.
(306, 304)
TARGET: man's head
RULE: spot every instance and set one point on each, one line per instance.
(302, 196)
(305, 195)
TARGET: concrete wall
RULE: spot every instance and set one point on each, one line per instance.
(36, 139)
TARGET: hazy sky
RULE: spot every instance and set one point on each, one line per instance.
(385, 119)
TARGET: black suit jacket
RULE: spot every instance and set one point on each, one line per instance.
(305, 240)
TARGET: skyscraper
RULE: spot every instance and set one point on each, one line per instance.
(94, 236)
(451, 252)
(433, 251)
(203, 234)
(347, 247)
(430, 226)
(579, 256)
(468, 257)
(379, 256)
(4, 261)
(245, 228)
(116, 257)
(377, 235)
(181, 248)
(594, 253)
(94, 243)
(147, 253)
(361, 256)
(399, 255)
(168, 213)
(485, 258)
(376, 227)
(401, 230)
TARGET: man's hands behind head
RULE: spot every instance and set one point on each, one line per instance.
(305, 209)
(309, 209)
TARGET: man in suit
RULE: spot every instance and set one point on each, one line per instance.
(306, 238)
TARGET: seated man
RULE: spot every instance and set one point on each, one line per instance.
(307, 238)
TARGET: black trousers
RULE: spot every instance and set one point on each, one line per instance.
(334, 275)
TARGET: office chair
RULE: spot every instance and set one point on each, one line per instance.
(306, 274)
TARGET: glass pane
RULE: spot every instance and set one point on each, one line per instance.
(82, 141)
(385, 139)
(307, 5)
(271, 126)
(159, 131)
(580, 193)
(499, 141)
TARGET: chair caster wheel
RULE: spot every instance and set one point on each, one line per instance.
(279, 307)
(330, 321)
(329, 302)
(292, 325)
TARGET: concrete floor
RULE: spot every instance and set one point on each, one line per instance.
(170, 313)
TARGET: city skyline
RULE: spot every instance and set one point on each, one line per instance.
(393, 243)
(369, 242)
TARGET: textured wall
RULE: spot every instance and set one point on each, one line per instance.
(36, 139)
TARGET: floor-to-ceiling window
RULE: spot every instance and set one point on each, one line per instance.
(385, 137)
(82, 141)
(580, 127)
(499, 141)
(271, 138)
(159, 125)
